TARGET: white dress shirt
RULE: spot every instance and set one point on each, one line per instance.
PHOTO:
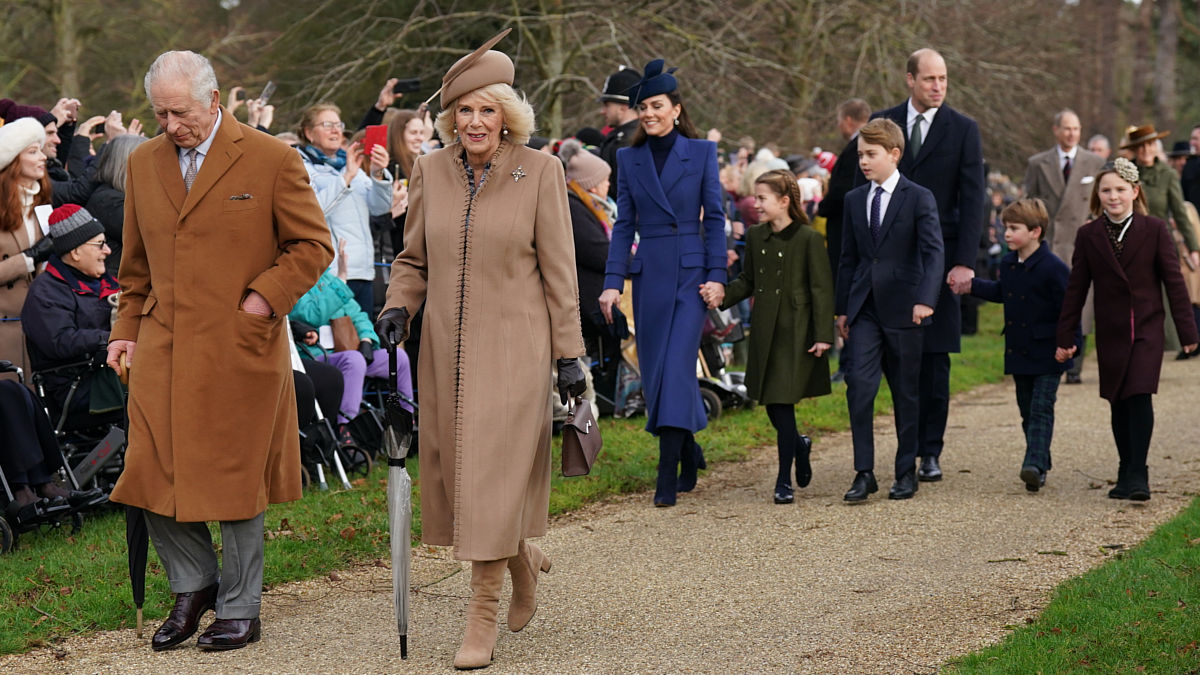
(1063, 156)
(201, 150)
(888, 186)
(912, 118)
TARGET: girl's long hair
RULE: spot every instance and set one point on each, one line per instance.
(783, 184)
(12, 215)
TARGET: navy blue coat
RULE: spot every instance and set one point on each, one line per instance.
(950, 165)
(903, 269)
(677, 252)
(1032, 294)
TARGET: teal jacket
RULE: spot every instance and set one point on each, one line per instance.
(329, 299)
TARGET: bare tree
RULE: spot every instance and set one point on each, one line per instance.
(1164, 63)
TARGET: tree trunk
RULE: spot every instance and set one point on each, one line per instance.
(1140, 81)
(1164, 63)
(69, 48)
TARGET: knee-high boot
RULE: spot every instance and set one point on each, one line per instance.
(524, 568)
(479, 639)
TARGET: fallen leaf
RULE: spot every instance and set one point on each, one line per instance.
(65, 590)
(348, 533)
(284, 524)
(334, 576)
(1151, 594)
(334, 518)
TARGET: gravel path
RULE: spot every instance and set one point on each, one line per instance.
(729, 582)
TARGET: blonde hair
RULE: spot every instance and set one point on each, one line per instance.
(308, 119)
(515, 110)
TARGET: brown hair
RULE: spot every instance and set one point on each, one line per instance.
(783, 184)
(685, 127)
(1139, 203)
(855, 109)
(1030, 212)
(12, 217)
(308, 119)
(883, 132)
(397, 148)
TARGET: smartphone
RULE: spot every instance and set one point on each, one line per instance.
(407, 86)
(267, 92)
(376, 135)
(241, 95)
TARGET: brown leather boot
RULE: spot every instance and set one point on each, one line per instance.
(524, 568)
(479, 639)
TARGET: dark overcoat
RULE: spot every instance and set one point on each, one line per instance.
(1032, 293)
(788, 274)
(1129, 304)
(682, 227)
(950, 165)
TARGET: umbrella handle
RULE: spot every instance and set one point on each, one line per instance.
(392, 366)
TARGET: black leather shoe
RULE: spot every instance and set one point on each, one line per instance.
(930, 471)
(701, 463)
(184, 618)
(1184, 356)
(1034, 477)
(226, 634)
(863, 485)
(784, 494)
(905, 486)
(1073, 378)
(803, 466)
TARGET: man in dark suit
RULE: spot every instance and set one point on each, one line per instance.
(851, 116)
(944, 154)
(619, 116)
(1190, 177)
(888, 282)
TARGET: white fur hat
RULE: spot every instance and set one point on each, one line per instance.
(18, 135)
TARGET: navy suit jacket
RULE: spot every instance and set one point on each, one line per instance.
(903, 269)
(1032, 293)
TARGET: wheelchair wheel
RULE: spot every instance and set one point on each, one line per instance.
(305, 478)
(355, 460)
(712, 403)
(8, 537)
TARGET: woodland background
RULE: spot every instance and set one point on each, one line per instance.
(771, 69)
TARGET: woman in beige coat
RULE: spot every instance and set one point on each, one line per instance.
(23, 185)
(488, 247)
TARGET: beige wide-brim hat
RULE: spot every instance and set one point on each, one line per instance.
(1135, 136)
(478, 69)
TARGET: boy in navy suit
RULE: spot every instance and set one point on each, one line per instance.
(888, 282)
(1032, 284)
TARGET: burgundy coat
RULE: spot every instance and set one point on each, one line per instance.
(1129, 305)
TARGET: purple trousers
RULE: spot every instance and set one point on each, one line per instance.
(355, 370)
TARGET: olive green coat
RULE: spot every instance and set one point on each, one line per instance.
(788, 274)
(1164, 199)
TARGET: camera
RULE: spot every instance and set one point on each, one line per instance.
(407, 86)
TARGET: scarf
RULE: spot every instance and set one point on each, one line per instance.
(594, 205)
(337, 162)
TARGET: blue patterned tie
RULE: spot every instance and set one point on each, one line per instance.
(875, 203)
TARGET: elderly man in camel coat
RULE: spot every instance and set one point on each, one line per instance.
(222, 235)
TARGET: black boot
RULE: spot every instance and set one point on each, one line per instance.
(670, 442)
(803, 466)
(1123, 488)
(1139, 483)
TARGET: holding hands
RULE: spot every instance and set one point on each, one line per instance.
(713, 293)
(959, 279)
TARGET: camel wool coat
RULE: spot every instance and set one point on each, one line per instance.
(15, 279)
(497, 274)
(212, 409)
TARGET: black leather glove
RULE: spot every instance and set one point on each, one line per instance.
(571, 382)
(40, 252)
(392, 326)
(367, 350)
(300, 329)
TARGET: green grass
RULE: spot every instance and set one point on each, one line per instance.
(56, 584)
(1139, 612)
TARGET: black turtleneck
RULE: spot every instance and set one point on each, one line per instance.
(660, 147)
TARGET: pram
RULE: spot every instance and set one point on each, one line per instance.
(43, 513)
(720, 390)
(320, 448)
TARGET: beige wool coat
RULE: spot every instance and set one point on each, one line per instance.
(15, 279)
(212, 409)
(501, 305)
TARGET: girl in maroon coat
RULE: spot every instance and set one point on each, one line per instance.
(1126, 256)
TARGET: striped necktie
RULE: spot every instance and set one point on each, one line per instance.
(190, 176)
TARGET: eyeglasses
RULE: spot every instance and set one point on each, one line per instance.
(340, 126)
(98, 244)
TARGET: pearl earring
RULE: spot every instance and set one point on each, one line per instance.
(504, 131)
(676, 121)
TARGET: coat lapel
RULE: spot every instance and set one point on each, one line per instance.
(1137, 236)
(1100, 240)
(166, 165)
(894, 205)
(937, 131)
(1054, 172)
(643, 162)
(676, 164)
(222, 154)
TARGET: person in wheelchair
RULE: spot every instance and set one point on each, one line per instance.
(330, 299)
(67, 317)
(29, 458)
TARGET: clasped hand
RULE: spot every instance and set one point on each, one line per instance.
(713, 293)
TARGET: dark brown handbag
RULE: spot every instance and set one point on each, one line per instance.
(345, 335)
(581, 441)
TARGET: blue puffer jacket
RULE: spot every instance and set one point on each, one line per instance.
(348, 210)
(326, 301)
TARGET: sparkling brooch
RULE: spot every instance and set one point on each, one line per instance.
(518, 174)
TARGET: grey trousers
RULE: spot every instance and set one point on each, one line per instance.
(186, 551)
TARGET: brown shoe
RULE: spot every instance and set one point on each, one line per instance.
(524, 570)
(479, 639)
(184, 619)
(226, 634)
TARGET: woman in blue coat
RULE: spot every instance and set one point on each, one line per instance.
(668, 193)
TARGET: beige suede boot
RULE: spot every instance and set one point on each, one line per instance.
(479, 639)
(524, 568)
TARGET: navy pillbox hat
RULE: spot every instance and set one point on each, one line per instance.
(654, 82)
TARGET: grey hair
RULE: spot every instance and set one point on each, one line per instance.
(110, 168)
(1058, 116)
(1100, 137)
(183, 65)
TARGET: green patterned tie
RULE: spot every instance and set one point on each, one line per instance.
(914, 143)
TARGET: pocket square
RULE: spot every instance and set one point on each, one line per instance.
(1087, 180)
(244, 195)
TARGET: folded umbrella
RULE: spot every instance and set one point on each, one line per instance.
(397, 439)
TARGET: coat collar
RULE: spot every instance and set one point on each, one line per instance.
(656, 186)
(498, 166)
(937, 131)
(222, 154)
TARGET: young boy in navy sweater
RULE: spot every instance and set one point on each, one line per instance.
(1032, 284)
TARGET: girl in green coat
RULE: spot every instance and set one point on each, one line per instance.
(787, 271)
